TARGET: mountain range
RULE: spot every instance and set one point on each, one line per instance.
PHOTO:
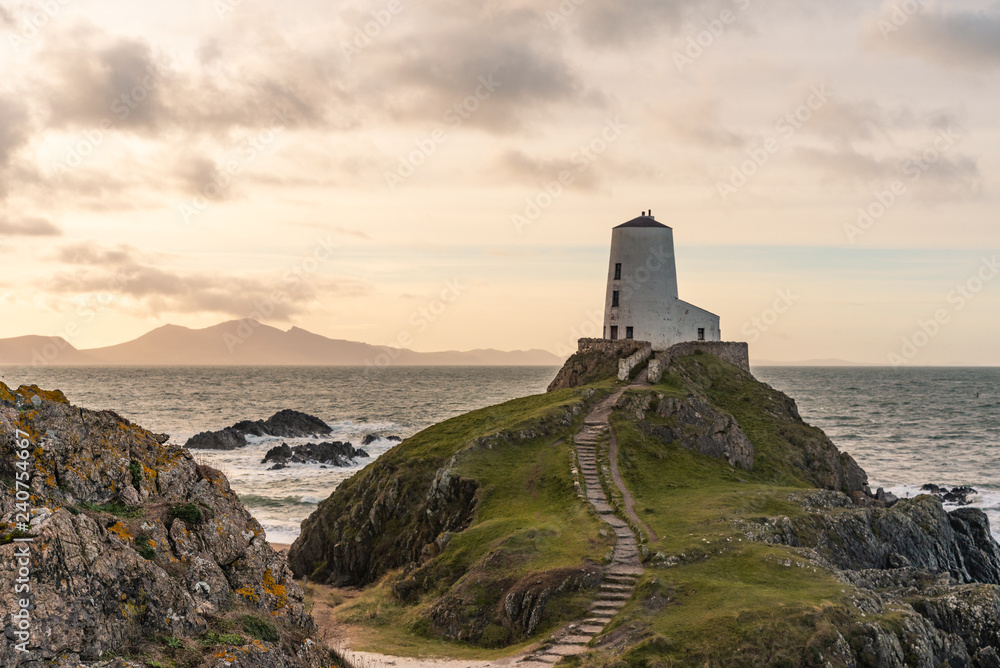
(249, 343)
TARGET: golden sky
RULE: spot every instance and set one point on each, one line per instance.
(449, 171)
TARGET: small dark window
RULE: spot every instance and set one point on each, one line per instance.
(618, 271)
(614, 299)
(614, 332)
(629, 332)
(701, 333)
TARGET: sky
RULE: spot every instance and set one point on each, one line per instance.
(447, 172)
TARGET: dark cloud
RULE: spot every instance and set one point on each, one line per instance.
(622, 24)
(149, 289)
(947, 36)
(503, 66)
(28, 227)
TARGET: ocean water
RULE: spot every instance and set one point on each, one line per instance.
(906, 427)
(182, 401)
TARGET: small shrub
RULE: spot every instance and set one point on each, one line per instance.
(187, 512)
(142, 546)
(73, 510)
(135, 468)
(171, 641)
(261, 629)
(212, 638)
(10, 537)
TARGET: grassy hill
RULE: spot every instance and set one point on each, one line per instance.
(471, 540)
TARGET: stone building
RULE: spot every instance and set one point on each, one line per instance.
(642, 300)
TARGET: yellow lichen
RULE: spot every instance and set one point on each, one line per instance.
(249, 594)
(279, 591)
(121, 530)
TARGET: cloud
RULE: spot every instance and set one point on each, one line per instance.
(28, 227)
(14, 133)
(519, 167)
(144, 287)
(950, 37)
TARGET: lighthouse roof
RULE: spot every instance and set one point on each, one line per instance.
(642, 221)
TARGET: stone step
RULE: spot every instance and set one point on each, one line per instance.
(565, 650)
(614, 586)
(607, 605)
(578, 639)
(593, 629)
(627, 580)
(613, 596)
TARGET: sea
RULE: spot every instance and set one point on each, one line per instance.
(907, 427)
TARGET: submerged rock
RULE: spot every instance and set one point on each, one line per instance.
(285, 424)
(133, 541)
(334, 453)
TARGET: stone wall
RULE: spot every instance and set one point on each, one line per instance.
(735, 353)
(628, 364)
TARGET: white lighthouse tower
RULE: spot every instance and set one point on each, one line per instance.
(642, 301)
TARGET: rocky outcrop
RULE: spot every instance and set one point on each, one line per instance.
(595, 360)
(332, 454)
(371, 438)
(284, 424)
(911, 534)
(134, 541)
(693, 423)
(384, 520)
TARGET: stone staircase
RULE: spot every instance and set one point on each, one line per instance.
(621, 575)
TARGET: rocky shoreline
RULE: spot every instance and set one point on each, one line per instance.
(136, 551)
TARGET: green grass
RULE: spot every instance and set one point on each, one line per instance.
(135, 468)
(529, 521)
(261, 629)
(187, 512)
(214, 639)
(728, 602)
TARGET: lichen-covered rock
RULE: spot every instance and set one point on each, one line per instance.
(133, 541)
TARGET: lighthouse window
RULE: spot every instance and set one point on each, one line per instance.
(614, 299)
(701, 333)
(614, 332)
(629, 332)
(618, 271)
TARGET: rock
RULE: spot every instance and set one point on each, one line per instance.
(224, 439)
(334, 453)
(395, 439)
(885, 497)
(369, 439)
(286, 424)
(961, 496)
(105, 584)
(692, 422)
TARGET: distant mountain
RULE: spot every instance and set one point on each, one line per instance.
(250, 343)
(822, 362)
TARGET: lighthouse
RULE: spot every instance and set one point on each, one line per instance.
(642, 300)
